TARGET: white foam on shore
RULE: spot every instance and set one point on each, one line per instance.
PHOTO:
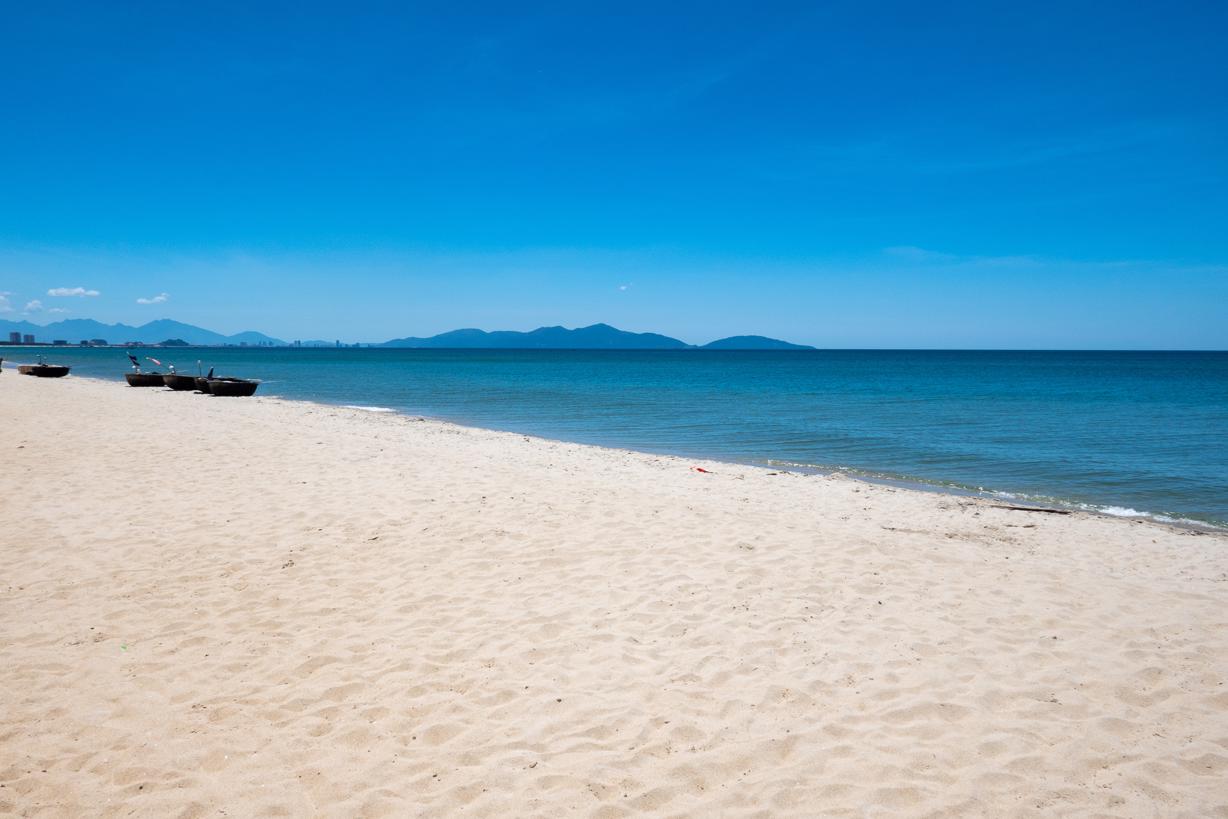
(368, 409)
(1043, 501)
(1121, 512)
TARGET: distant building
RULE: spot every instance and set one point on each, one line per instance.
(98, 342)
(59, 342)
(14, 338)
(28, 338)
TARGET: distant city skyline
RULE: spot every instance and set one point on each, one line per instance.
(850, 176)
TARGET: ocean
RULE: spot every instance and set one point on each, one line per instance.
(1126, 433)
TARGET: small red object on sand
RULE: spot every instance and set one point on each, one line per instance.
(701, 469)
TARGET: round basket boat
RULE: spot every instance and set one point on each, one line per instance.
(233, 387)
(144, 379)
(179, 382)
(43, 370)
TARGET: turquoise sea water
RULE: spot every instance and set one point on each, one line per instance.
(1123, 432)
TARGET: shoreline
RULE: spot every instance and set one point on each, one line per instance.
(906, 483)
(281, 607)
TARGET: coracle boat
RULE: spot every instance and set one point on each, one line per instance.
(43, 370)
(202, 381)
(136, 378)
(233, 387)
(144, 379)
(179, 382)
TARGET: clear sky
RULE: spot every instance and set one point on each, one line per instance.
(853, 174)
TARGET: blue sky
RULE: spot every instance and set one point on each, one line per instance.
(846, 174)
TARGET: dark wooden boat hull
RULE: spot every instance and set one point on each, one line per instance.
(43, 370)
(202, 384)
(233, 387)
(144, 379)
(179, 382)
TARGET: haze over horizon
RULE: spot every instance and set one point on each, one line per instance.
(886, 176)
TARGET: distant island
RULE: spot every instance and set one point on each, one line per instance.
(594, 337)
(753, 343)
(597, 337)
(166, 333)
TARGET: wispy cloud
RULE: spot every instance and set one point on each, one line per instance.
(72, 291)
(59, 310)
(158, 299)
(5, 305)
(625, 287)
(33, 306)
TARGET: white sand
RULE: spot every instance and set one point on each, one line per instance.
(250, 607)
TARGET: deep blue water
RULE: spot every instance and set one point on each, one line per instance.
(1141, 431)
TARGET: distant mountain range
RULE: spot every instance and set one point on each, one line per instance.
(76, 330)
(595, 337)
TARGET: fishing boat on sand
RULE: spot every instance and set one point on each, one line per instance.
(178, 382)
(137, 378)
(143, 379)
(43, 369)
(232, 387)
(202, 381)
(229, 387)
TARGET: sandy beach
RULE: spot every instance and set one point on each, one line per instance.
(256, 607)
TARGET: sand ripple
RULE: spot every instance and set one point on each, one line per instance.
(262, 608)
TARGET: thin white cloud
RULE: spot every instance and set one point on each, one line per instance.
(158, 299)
(625, 287)
(72, 291)
(59, 310)
(33, 306)
(5, 305)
